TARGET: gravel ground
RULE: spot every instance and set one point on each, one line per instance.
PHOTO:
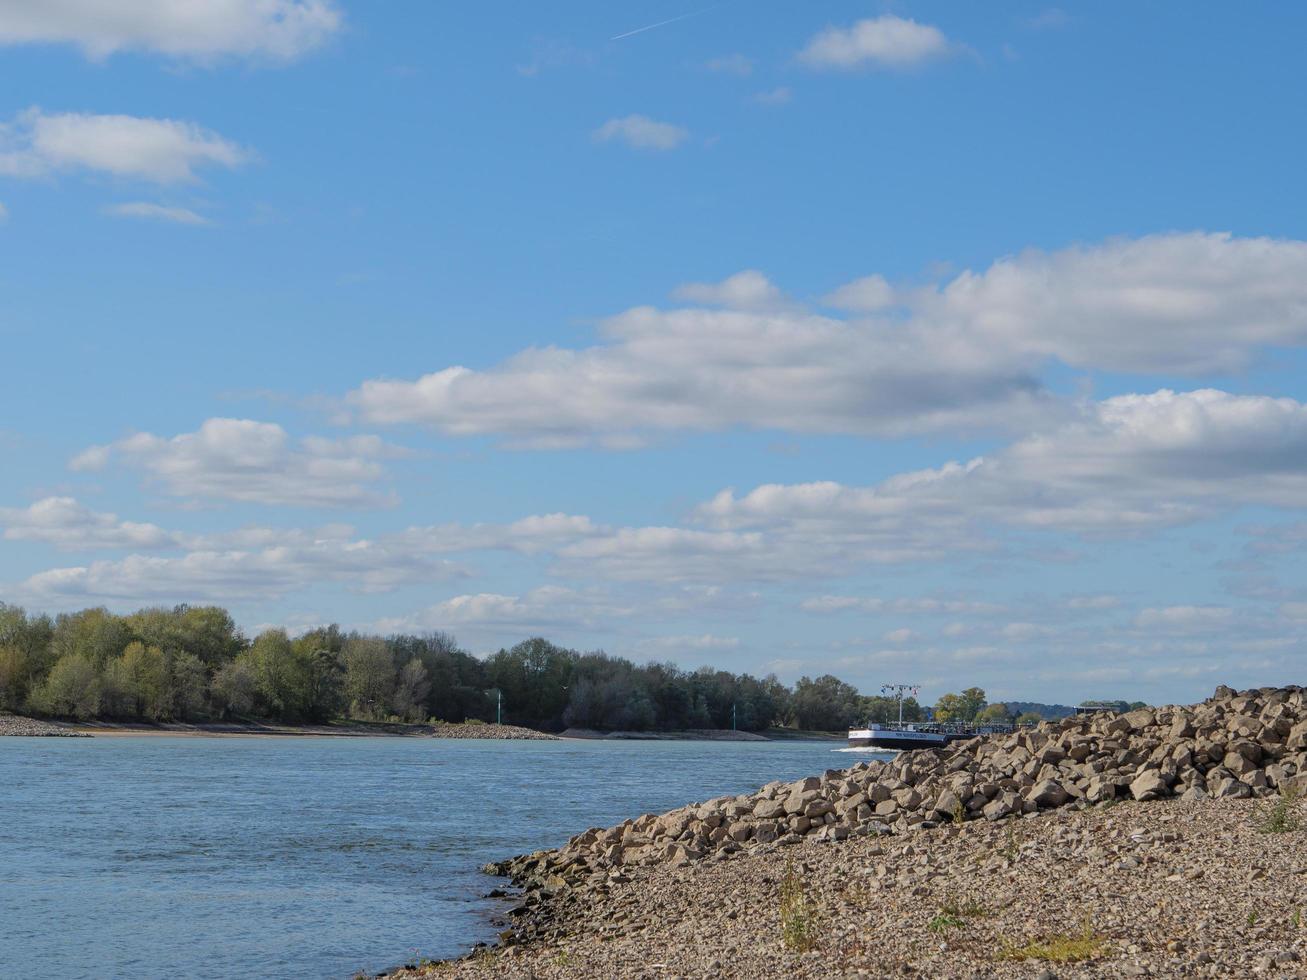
(1166, 888)
(491, 731)
(18, 725)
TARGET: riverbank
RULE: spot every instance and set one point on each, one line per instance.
(1139, 889)
(1158, 842)
(689, 735)
(19, 725)
(23, 727)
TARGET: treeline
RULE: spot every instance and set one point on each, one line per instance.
(192, 663)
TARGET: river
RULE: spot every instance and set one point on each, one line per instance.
(308, 857)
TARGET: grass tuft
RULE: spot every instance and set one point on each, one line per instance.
(1057, 948)
(798, 917)
(1284, 816)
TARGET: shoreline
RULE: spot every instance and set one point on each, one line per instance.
(1158, 842)
(23, 725)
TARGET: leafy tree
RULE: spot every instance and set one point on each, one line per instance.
(280, 683)
(994, 714)
(15, 678)
(95, 634)
(235, 688)
(411, 689)
(146, 683)
(1029, 718)
(826, 704)
(72, 688)
(369, 676)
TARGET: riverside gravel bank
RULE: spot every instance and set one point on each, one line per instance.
(31, 727)
(1134, 844)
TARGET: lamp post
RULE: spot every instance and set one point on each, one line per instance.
(897, 691)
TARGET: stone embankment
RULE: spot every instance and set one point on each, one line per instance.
(1232, 745)
(1210, 762)
(491, 731)
(18, 725)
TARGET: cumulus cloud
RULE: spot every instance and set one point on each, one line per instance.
(1131, 462)
(869, 294)
(1185, 619)
(913, 606)
(700, 369)
(886, 42)
(255, 462)
(747, 290)
(202, 31)
(1189, 303)
(641, 133)
(67, 524)
(297, 562)
(149, 211)
(539, 610)
(163, 151)
(906, 360)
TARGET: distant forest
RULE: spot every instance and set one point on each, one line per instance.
(192, 663)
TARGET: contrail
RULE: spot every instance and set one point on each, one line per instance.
(662, 23)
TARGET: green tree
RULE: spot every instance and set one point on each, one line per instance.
(235, 688)
(825, 704)
(994, 714)
(411, 689)
(72, 688)
(280, 680)
(1029, 718)
(15, 678)
(96, 634)
(145, 681)
(369, 676)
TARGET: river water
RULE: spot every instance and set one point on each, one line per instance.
(308, 857)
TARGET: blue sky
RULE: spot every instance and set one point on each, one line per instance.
(906, 342)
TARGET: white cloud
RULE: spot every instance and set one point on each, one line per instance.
(256, 462)
(899, 637)
(747, 290)
(4, 213)
(540, 610)
(781, 95)
(700, 641)
(642, 133)
(903, 606)
(201, 30)
(1190, 303)
(297, 562)
(163, 151)
(1131, 462)
(731, 64)
(67, 524)
(701, 370)
(945, 358)
(1185, 619)
(869, 294)
(882, 42)
(155, 212)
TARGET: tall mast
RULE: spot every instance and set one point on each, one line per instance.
(897, 691)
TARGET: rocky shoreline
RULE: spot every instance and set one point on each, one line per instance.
(491, 731)
(32, 728)
(1133, 844)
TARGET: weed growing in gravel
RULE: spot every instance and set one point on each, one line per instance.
(954, 913)
(1058, 948)
(1281, 817)
(943, 921)
(798, 918)
(959, 813)
(1013, 846)
(1295, 919)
